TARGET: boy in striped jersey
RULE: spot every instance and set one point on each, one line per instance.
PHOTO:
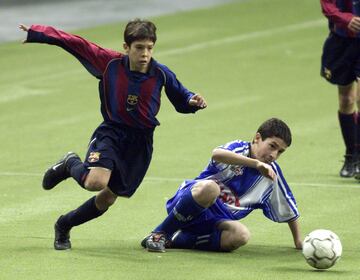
(240, 177)
(121, 147)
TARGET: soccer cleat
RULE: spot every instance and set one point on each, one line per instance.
(357, 170)
(62, 238)
(155, 242)
(349, 167)
(58, 172)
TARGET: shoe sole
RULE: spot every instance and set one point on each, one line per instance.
(155, 251)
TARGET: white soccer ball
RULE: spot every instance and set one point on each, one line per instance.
(322, 248)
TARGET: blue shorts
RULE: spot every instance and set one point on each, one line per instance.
(340, 61)
(209, 219)
(125, 151)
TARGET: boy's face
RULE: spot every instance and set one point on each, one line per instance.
(267, 150)
(140, 53)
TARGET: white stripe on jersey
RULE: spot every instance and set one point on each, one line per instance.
(243, 189)
(282, 186)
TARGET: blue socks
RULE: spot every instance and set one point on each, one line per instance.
(84, 213)
(205, 242)
(184, 211)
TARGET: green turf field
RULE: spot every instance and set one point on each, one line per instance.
(251, 60)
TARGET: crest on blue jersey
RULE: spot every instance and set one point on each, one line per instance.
(132, 100)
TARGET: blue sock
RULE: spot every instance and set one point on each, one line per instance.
(77, 170)
(84, 213)
(185, 210)
(205, 242)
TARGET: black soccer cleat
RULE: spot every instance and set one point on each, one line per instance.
(58, 172)
(62, 238)
(349, 168)
(155, 242)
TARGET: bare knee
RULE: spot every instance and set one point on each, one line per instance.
(205, 192)
(94, 184)
(105, 199)
(97, 179)
(235, 236)
(347, 99)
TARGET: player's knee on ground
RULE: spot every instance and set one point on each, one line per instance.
(206, 192)
(234, 237)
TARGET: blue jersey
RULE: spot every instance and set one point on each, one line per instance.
(244, 189)
(127, 97)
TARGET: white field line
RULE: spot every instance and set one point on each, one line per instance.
(244, 37)
(180, 180)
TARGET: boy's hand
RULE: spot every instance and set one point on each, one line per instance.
(266, 170)
(23, 27)
(354, 24)
(198, 101)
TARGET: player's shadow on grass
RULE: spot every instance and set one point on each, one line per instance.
(133, 251)
(333, 271)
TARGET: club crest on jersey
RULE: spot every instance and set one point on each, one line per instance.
(238, 170)
(132, 100)
(94, 157)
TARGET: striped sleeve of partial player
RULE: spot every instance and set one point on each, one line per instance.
(281, 204)
(339, 13)
(93, 57)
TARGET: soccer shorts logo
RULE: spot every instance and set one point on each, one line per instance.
(94, 157)
(327, 74)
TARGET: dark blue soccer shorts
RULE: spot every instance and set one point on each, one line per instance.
(209, 219)
(340, 61)
(125, 151)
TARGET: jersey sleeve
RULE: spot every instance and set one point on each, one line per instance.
(236, 146)
(90, 55)
(178, 95)
(280, 205)
(333, 13)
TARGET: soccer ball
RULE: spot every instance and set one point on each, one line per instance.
(322, 248)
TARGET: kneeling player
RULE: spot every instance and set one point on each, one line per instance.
(241, 177)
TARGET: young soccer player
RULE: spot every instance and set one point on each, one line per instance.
(240, 177)
(340, 65)
(121, 147)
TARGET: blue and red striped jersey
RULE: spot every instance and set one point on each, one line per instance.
(339, 14)
(127, 97)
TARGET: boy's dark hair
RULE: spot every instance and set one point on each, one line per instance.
(139, 29)
(275, 128)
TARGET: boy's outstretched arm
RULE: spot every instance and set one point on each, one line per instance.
(92, 56)
(295, 230)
